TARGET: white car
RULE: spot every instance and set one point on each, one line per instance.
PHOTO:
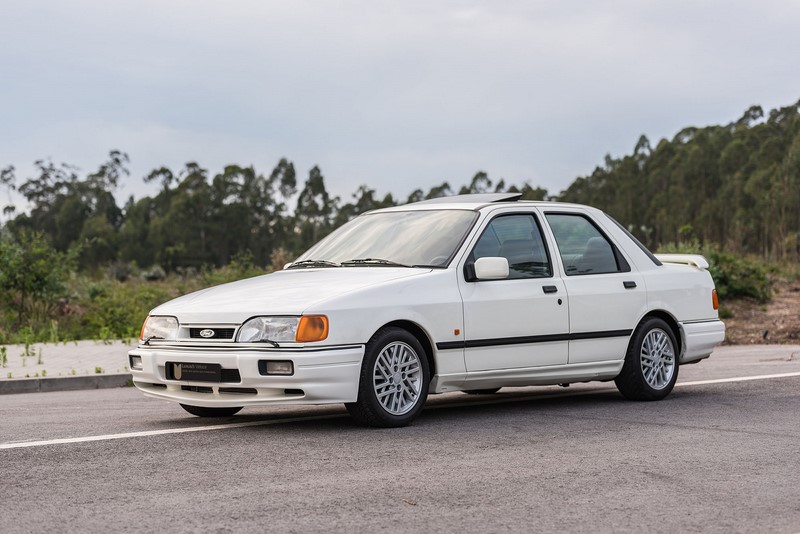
(468, 293)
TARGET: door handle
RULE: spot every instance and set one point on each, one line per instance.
(629, 284)
(550, 289)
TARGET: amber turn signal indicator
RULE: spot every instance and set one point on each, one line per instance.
(714, 299)
(312, 328)
(141, 332)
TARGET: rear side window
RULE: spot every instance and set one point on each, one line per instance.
(636, 241)
(583, 248)
(517, 238)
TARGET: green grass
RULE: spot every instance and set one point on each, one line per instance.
(103, 308)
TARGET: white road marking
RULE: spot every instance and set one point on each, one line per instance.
(736, 379)
(126, 435)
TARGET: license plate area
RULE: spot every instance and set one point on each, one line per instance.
(197, 372)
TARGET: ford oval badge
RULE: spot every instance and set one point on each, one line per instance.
(207, 333)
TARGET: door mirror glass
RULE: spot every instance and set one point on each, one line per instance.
(491, 268)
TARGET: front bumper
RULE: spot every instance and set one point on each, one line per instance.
(321, 376)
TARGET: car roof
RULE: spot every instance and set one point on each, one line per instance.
(475, 202)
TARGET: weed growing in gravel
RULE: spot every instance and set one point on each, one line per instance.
(39, 359)
(10, 375)
(73, 372)
(98, 370)
(28, 351)
(3, 356)
(53, 331)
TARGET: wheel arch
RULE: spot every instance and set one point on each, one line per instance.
(418, 332)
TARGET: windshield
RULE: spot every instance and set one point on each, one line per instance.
(412, 238)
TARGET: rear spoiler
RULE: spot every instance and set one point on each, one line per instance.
(695, 260)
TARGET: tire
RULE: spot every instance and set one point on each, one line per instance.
(201, 411)
(488, 391)
(394, 380)
(651, 363)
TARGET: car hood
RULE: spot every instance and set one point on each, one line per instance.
(287, 292)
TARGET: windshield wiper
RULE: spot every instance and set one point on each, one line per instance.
(374, 261)
(313, 263)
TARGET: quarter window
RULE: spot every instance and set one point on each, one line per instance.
(583, 249)
(517, 238)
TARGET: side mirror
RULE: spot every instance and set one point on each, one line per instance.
(491, 268)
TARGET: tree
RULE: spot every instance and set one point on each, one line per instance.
(480, 184)
(7, 181)
(315, 211)
(33, 274)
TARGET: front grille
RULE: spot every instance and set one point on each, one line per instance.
(230, 375)
(219, 333)
(239, 391)
(198, 389)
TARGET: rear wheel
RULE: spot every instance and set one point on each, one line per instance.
(651, 363)
(201, 411)
(394, 380)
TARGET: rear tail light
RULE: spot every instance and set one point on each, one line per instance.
(714, 299)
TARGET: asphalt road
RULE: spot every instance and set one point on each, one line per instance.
(721, 454)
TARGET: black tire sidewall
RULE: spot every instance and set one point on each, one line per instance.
(631, 381)
(366, 390)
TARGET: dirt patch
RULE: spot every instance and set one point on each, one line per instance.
(776, 322)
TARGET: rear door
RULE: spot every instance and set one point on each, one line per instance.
(606, 296)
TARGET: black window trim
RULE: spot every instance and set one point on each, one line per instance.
(469, 265)
(622, 264)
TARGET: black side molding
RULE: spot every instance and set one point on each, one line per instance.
(524, 340)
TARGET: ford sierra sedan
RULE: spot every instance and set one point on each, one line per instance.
(469, 293)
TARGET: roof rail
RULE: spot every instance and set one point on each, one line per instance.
(483, 198)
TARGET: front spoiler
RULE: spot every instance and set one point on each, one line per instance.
(321, 376)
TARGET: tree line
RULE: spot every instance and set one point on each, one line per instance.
(736, 186)
(196, 219)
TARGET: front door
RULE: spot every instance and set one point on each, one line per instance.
(521, 321)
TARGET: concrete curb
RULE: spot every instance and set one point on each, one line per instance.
(64, 383)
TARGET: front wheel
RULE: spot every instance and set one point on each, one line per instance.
(651, 363)
(201, 411)
(394, 380)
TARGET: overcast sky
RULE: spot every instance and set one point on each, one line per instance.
(398, 95)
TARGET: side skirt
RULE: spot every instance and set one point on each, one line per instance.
(530, 376)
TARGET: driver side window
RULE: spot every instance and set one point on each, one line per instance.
(517, 238)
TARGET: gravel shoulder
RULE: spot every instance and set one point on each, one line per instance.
(69, 359)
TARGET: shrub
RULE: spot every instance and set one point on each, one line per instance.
(115, 310)
(735, 276)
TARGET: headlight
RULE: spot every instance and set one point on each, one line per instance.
(159, 327)
(303, 329)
